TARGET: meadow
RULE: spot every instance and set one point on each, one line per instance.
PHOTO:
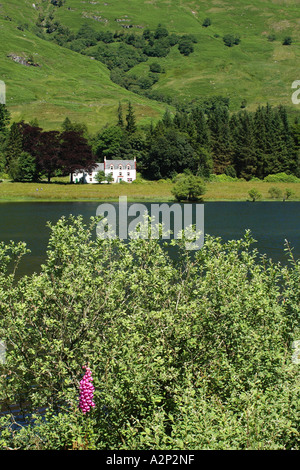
(143, 191)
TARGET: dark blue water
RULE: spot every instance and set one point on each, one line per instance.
(271, 223)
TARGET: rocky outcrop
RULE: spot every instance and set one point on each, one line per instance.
(27, 61)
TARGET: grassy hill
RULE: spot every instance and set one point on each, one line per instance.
(258, 70)
(62, 84)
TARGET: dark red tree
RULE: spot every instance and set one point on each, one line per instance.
(67, 151)
(30, 141)
(48, 153)
(44, 146)
(75, 153)
(30, 137)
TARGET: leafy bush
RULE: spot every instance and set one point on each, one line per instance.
(160, 48)
(254, 178)
(105, 36)
(287, 41)
(223, 178)
(188, 187)
(160, 32)
(282, 178)
(155, 67)
(206, 22)
(230, 40)
(139, 179)
(254, 194)
(194, 353)
(122, 58)
(185, 45)
(275, 193)
(288, 193)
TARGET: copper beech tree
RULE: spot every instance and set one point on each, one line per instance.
(55, 151)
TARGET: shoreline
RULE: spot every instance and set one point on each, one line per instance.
(140, 200)
(152, 191)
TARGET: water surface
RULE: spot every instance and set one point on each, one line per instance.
(271, 223)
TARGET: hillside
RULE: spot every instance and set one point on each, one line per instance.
(62, 84)
(257, 70)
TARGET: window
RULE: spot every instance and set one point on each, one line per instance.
(128, 173)
(128, 167)
(91, 179)
(120, 167)
(111, 167)
(129, 180)
(120, 173)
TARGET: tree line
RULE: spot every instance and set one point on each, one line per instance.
(29, 153)
(204, 138)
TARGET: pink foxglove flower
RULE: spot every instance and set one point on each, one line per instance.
(86, 392)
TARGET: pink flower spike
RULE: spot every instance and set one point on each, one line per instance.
(86, 392)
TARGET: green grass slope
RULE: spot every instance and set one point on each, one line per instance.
(257, 70)
(63, 84)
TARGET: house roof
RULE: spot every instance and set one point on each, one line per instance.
(99, 167)
(116, 163)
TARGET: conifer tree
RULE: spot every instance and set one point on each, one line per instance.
(130, 119)
(120, 116)
(4, 123)
(291, 162)
(14, 146)
(167, 119)
(4, 119)
(244, 145)
(202, 130)
(221, 144)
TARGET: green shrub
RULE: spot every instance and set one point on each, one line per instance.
(282, 178)
(223, 178)
(155, 68)
(254, 178)
(185, 46)
(287, 41)
(275, 193)
(289, 193)
(188, 187)
(230, 40)
(190, 354)
(254, 194)
(206, 22)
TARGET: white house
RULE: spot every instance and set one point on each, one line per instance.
(122, 170)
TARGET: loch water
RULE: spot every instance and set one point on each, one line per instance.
(270, 223)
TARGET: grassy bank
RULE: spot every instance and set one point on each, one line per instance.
(146, 191)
